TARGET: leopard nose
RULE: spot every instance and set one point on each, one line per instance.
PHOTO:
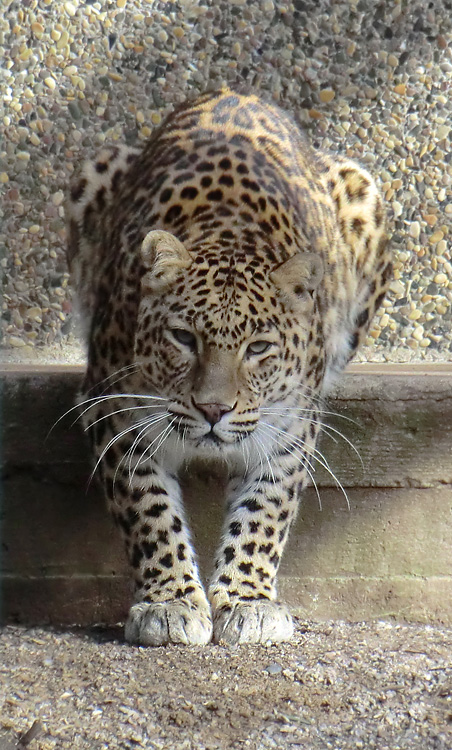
(213, 412)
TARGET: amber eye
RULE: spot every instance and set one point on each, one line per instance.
(184, 337)
(258, 347)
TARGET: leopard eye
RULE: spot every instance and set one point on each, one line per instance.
(184, 337)
(258, 347)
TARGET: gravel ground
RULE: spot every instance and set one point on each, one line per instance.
(371, 79)
(340, 686)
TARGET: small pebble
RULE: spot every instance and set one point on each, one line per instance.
(415, 229)
(397, 287)
(436, 237)
(326, 95)
(58, 198)
(443, 132)
(70, 9)
(397, 208)
(274, 668)
(74, 110)
(16, 341)
(34, 313)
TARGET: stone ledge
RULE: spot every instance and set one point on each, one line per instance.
(63, 559)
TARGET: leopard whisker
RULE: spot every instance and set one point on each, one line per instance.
(259, 454)
(163, 436)
(324, 426)
(304, 462)
(133, 448)
(341, 435)
(99, 399)
(309, 394)
(321, 403)
(111, 442)
(310, 472)
(183, 437)
(304, 410)
(161, 440)
(130, 367)
(309, 468)
(113, 396)
(323, 462)
(266, 457)
(126, 370)
(267, 461)
(122, 411)
(307, 463)
(148, 423)
(297, 444)
(244, 446)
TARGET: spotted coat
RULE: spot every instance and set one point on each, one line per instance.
(225, 273)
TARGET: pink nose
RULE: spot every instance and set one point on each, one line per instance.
(213, 412)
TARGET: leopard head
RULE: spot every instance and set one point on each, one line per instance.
(222, 339)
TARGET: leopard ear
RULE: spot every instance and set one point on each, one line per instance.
(164, 257)
(301, 274)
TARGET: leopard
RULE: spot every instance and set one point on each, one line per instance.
(226, 272)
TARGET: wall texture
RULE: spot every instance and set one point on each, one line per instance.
(377, 548)
(371, 79)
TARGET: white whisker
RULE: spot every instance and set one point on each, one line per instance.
(266, 457)
(349, 442)
(303, 450)
(126, 370)
(99, 399)
(306, 464)
(284, 410)
(122, 411)
(311, 476)
(259, 454)
(114, 396)
(148, 423)
(163, 436)
(245, 448)
(111, 442)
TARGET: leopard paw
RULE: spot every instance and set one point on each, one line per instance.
(159, 623)
(253, 622)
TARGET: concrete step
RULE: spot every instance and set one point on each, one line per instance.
(389, 555)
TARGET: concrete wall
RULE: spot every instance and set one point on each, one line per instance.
(389, 555)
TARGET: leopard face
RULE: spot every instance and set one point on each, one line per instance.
(228, 340)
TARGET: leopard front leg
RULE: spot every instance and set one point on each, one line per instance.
(170, 602)
(243, 587)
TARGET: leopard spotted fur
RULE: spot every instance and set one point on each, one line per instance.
(226, 273)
